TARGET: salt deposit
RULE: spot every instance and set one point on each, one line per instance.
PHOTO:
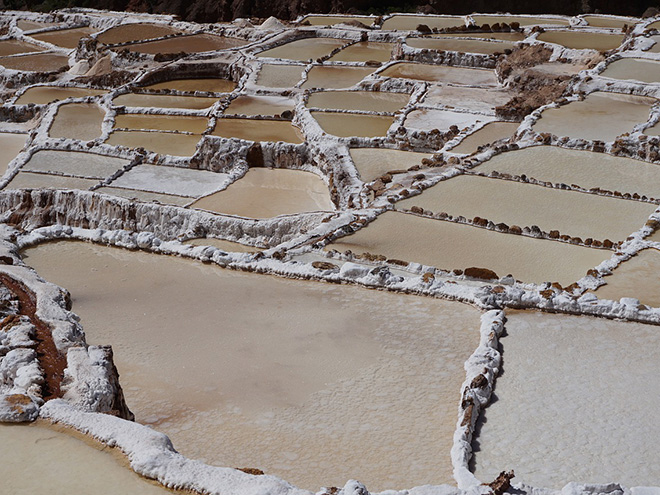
(258, 130)
(306, 49)
(634, 278)
(125, 33)
(10, 145)
(195, 43)
(346, 125)
(366, 101)
(439, 73)
(77, 121)
(159, 142)
(87, 165)
(259, 105)
(489, 133)
(371, 163)
(40, 62)
(335, 77)
(211, 85)
(42, 95)
(162, 122)
(164, 101)
(365, 51)
(66, 38)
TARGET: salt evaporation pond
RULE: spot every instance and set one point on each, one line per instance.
(165, 143)
(279, 76)
(66, 38)
(39, 62)
(478, 100)
(259, 105)
(460, 45)
(258, 130)
(428, 119)
(573, 403)
(441, 73)
(351, 124)
(450, 246)
(250, 370)
(609, 21)
(489, 133)
(42, 95)
(410, 22)
(512, 36)
(615, 113)
(572, 213)
(164, 101)
(45, 458)
(228, 246)
(583, 168)
(371, 163)
(162, 122)
(87, 165)
(335, 77)
(523, 20)
(330, 20)
(305, 49)
(365, 51)
(633, 69)
(636, 278)
(266, 193)
(195, 43)
(10, 145)
(580, 40)
(77, 121)
(144, 196)
(210, 85)
(366, 101)
(13, 47)
(26, 25)
(29, 180)
(125, 33)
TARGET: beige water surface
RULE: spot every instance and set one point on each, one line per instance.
(494, 131)
(329, 20)
(317, 383)
(10, 145)
(348, 125)
(371, 163)
(258, 130)
(165, 143)
(279, 76)
(145, 196)
(581, 40)
(365, 51)
(520, 19)
(367, 101)
(27, 25)
(460, 45)
(123, 33)
(634, 68)
(161, 122)
(609, 21)
(441, 73)
(305, 49)
(335, 77)
(39, 62)
(29, 180)
(410, 22)
(42, 95)
(195, 43)
(479, 100)
(211, 85)
(88, 165)
(636, 278)
(266, 193)
(164, 101)
(229, 246)
(77, 121)
(259, 105)
(66, 38)
(12, 47)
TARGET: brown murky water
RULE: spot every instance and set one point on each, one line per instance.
(39, 62)
(583, 168)
(162, 122)
(365, 51)
(580, 40)
(66, 38)
(335, 77)
(572, 213)
(460, 45)
(522, 20)
(366, 101)
(374, 162)
(451, 246)
(165, 143)
(26, 25)
(195, 43)
(125, 33)
(259, 105)
(487, 134)
(305, 49)
(266, 193)
(258, 130)
(242, 369)
(634, 68)
(42, 95)
(28, 180)
(410, 22)
(279, 76)
(10, 145)
(615, 113)
(348, 125)
(88, 165)
(635, 278)
(77, 121)
(164, 101)
(211, 85)
(609, 21)
(12, 47)
(441, 73)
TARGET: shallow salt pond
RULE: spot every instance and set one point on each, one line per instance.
(583, 168)
(42, 95)
(316, 383)
(28, 180)
(441, 73)
(77, 121)
(12, 47)
(210, 85)
(512, 36)
(125, 33)
(609, 21)
(635, 278)
(258, 130)
(195, 43)
(87, 165)
(365, 51)
(349, 125)
(572, 213)
(489, 133)
(451, 246)
(371, 163)
(266, 193)
(615, 113)
(633, 69)
(165, 143)
(66, 38)
(427, 119)
(335, 77)
(410, 22)
(580, 40)
(366, 101)
(331, 20)
(573, 403)
(279, 76)
(228, 246)
(10, 146)
(145, 196)
(45, 458)
(162, 122)
(305, 49)
(460, 45)
(259, 105)
(27, 25)
(480, 20)
(164, 101)
(39, 62)
(478, 100)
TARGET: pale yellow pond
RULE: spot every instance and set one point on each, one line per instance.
(258, 130)
(520, 19)
(410, 22)
(195, 43)
(365, 51)
(210, 85)
(165, 143)
(636, 278)
(124, 33)
(329, 20)
(609, 21)
(259, 105)
(633, 69)
(12, 47)
(366, 101)
(279, 76)
(164, 101)
(87, 165)
(10, 146)
(77, 121)
(460, 45)
(229, 246)
(335, 77)
(39, 62)
(136, 121)
(28, 180)
(580, 40)
(371, 163)
(489, 133)
(441, 73)
(145, 196)
(348, 125)
(305, 49)
(66, 38)
(42, 95)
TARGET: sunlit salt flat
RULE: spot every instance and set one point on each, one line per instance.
(42, 95)
(371, 163)
(279, 76)
(258, 130)
(195, 43)
(581, 40)
(77, 121)
(482, 100)
(123, 33)
(259, 105)
(162, 122)
(88, 165)
(166, 143)
(145, 196)
(266, 193)
(68, 463)
(210, 85)
(441, 73)
(38, 62)
(573, 403)
(616, 113)
(347, 125)
(229, 246)
(29, 180)
(427, 119)
(10, 145)
(335, 77)
(583, 168)
(164, 101)
(635, 278)
(250, 370)
(305, 49)
(489, 133)
(460, 45)
(365, 51)
(369, 101)
(66, 38)
(634, 69)
(410, 22)
(572, 213)
(452, 246)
